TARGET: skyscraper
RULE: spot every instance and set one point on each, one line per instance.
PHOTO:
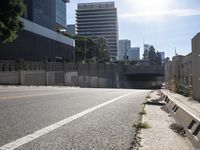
(162, 54)
(99, 19)
(47, 13)
(124, 46)
(71, 29)
(134, 53)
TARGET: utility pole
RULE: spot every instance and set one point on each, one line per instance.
(175, 52)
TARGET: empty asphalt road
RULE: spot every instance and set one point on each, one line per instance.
(61, 118)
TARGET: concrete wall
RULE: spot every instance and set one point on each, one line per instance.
(71, 78)
(97, 75)
(32, 78)
(9, 78)
(70, 74)
(55, 78)
(196, 66)
(55, 73)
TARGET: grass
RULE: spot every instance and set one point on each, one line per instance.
(141, 125)
(143, 112)
(148, 97)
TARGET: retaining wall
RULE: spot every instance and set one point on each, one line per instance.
(72, 74)
(56, 73)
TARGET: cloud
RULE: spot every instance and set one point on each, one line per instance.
(168, 12)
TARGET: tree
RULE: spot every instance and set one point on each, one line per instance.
(146, 54)
(167, 59)
(86, 48)
(83, 48)
(10, 11)
(152, 56)
(158, 58)
(102, 53)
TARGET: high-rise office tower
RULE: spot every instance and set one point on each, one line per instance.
(134, 53)
(99, 19)
(71, 29)
(162, 54)
(47, 13)
(124, 46)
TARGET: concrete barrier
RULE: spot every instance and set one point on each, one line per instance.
(55, 78)
(71, 78)
(10, 78)
(185, 118)
(33, 78)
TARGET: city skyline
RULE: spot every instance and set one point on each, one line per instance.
(166, 24)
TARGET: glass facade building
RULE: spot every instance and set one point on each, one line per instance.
(47, 13)
(61, 13)
(134, 53)
(39, 41)
(124, 46)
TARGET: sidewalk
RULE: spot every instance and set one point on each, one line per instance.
(159, 136)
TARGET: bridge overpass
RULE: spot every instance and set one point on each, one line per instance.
(144, 70)
(142, 77)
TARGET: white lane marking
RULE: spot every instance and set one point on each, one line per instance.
(30, 137)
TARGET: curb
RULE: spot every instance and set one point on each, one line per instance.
(185, 118)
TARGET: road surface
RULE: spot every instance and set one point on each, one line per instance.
(61, 118)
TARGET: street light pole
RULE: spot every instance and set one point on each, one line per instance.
(85, 50)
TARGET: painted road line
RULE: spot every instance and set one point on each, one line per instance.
(35, 94)
(30, 137)
(31, 95)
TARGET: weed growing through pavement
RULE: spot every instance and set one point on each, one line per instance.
(143, 112)
(148, 96)
(141, 125)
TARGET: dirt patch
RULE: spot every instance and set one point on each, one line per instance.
(178, 129)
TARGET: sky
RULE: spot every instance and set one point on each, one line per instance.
(166, 24)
